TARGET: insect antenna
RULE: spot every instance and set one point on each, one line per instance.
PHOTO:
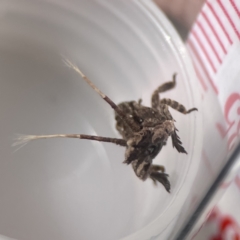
(134, 127)
(22, 140)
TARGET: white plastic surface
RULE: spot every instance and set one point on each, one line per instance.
(77, 189)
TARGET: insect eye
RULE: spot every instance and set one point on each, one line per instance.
(151, 149)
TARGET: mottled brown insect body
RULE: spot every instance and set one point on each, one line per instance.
(143, 146)
(144, 130)
(154, 126)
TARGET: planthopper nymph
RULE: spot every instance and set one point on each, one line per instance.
(144, 130)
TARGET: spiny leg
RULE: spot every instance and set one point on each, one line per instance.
(24, 139)
(164, 87)
(177, 143)
(133, 126)
(177, 106)
(161, 177)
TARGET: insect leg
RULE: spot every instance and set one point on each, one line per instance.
(144, 169)
(24, 139)
(161, 177)
(134, 127)
(177, 106)
(177, 143)
(164, 87)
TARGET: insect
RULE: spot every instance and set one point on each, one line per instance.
(144, 130)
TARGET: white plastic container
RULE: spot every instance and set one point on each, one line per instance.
(77, 189)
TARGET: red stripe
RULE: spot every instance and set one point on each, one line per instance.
(204, 50)
(235, 7)
(219, 22)
(228, 17)
(202, 65)
(214, 31)
(209, 42)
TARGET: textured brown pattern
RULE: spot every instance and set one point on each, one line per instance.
(155, 125)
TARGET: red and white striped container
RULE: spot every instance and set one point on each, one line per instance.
(214, 44)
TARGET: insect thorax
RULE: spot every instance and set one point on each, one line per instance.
(144, 144)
